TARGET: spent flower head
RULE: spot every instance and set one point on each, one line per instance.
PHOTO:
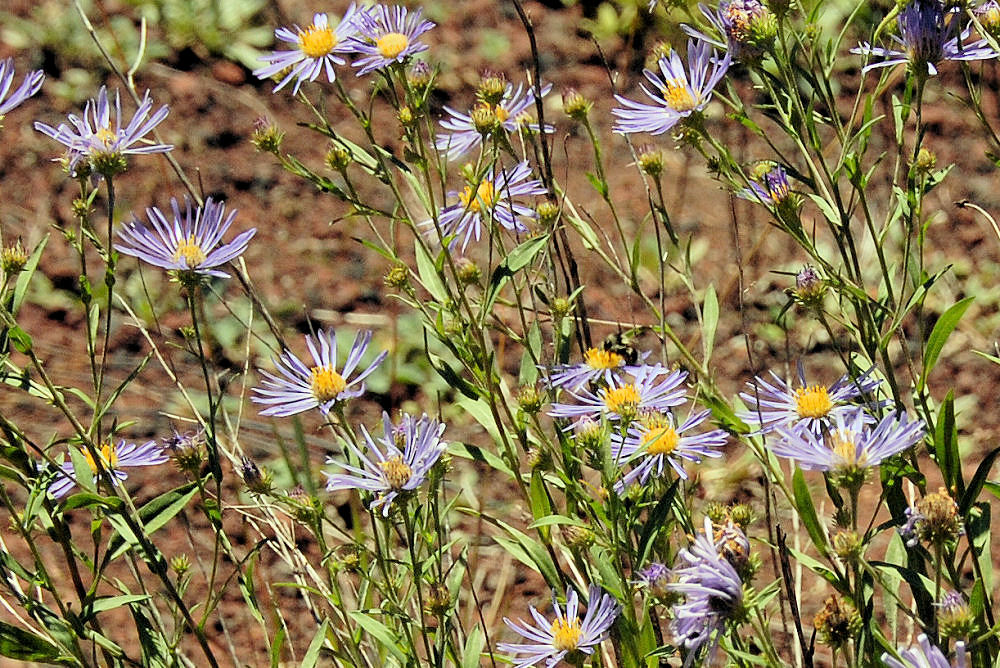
(113, 458)
(933, 520)
(837, 622)
(388, 35)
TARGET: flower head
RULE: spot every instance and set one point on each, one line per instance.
(190, 244)
(388, 35)
(677, 95)
(599, 365)
(300, 387)
(114, 457)
(654, 440)
(31, 84)
(925, 655)
(492, 199)
(743, 26)
(811, 407)
(317, 49)
(773, 190)
(655, 578)
(101, 139)
(567, 633)
(934, 520)
(509, 113)
(647, 392)
(397, 463)
(928, 34)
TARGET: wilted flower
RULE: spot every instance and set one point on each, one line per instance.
(398, 463)
(113, 459)
(186, 245)
(656, 441)
(810, 407)
(186, 450)
(934, 520)
(567, 634)
(509, 112)
(317, 49)
(257, 480)
(493, 199)
(928, 34)
(837, 623)
(744, 25)
(300, 387)
(677, 95)
(31, 84)
(925, 656)
(104, 145)
(622, 400)
(809, 287)
(388, 35)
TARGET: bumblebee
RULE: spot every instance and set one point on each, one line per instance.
(620, 343)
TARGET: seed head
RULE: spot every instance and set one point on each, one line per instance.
(837, 622)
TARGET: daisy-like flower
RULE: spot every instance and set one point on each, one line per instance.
(713, 595)
(773, 189)
(599, 364)
(565, 636)
(492, 200)
(397, 463)
(190, 244)
(852, 445)
(656, 441)
(101, 139)
(928, 34)
(623, 400)
(388, 35)
(925, 655)
(113, 459)
(741, 23)
(32, 84)
(510, 112)
(300, 387)
(655, 579)
(677, 95)
(810, 407)
(317, 49)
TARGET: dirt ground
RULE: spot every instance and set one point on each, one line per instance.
(320, 274)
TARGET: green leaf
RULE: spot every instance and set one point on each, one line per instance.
(112, 602)
(380, 632)
(710, 321)
(473, 648)
(429, 276)
(312, 653)
(807, 511)
(541, 506)
(946, 445)
(475, 453)
(943, 328)
(20, 339)
(16, 643)
(656, 521)
(154, 515)
(557, 519)
(21, 289)
(977, 482)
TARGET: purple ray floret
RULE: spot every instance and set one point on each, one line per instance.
(388, 35)
(925, 655)
(114, 459)
(31, 84)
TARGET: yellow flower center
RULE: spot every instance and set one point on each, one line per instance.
(107, 136)
(486, 194)
(397, 473)
(566, 634)
(813, 402)
(326, 384)
(991, 17)
(598, 358)
(678, 96)
(660, 440)
(843, 445)
(109, 458)
(392, 44)
(623, 400)
(190, 252)
(317, 42)
(501, 113)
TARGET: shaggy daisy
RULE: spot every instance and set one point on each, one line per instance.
(317, 49)
(653, 441)
(511, 111)
(113, 459)
(300, 387)
(928, 34)
(189, 245)
(32, 84)
(925, 655)
(677, 95)
(388, 35)
(599, 364)
(101, 139)
(397, 463)
(567, 636)
(623, 400)
(493, 199)
(810, 407)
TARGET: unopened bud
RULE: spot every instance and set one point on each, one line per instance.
(529, 400)
(492, 88)
(266, 136)
(338, 158)
(484, 119)
(651, 161)
(13, 259)
(467, 271)
(576, 105)
(397, 277)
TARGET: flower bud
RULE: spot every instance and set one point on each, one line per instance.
(180, 564)
(484, 119)
(925, 160)
(810, 288)
(955, 618)
(397, 277)
(266, 136)
(560, 308)
(492, 88)
(467, 271)
(338, 158)
(577, 537)
(548, 213)
(405, 116)
(847, 545)
(438, 601)
(13, 258)
(576, 105)
(419, 77)
(530, 400)
(651, 161)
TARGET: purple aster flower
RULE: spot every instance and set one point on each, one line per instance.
(317, 49)
(94, 138)
(397, 463)
(493, 200)
(733, 22)
(567, 634)
(188, 244)
(852, 445)
(113, 459)
(300, 387)
(713, 594)
(811, 407)
(928, 34)
(599, 364)
(646, 393)
(656, 579)
(655, 441)
(388, 35)
(511, 111)
(925, 655)
(32, 84)
(677, 95)
(773, 190)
